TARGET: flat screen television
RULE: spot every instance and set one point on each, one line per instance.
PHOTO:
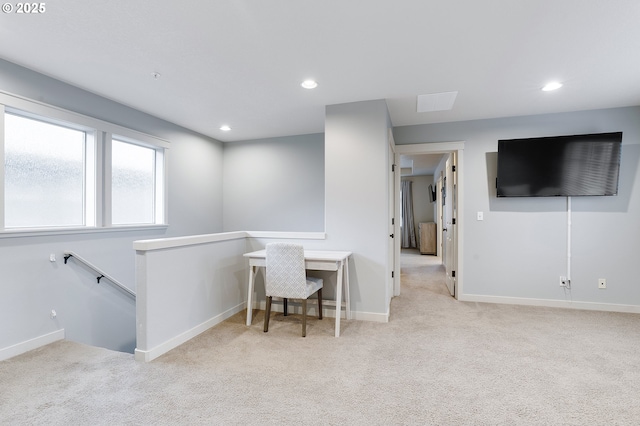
(559, 166)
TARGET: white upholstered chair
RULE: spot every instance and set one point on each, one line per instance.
(287, 278)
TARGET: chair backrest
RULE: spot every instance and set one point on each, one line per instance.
(286, 275)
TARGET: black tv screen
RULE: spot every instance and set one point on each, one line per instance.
(559, 166)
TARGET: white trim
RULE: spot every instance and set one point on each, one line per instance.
(444, 148)
(329, 312)
(29, 345)
(48, 111)
(151, 354)
(174, 342)
(2, 173)
(550, 303)
(287, 235)
(164, 243)
(370, 316)
(430, 148)
(460, 223)
(98, 196)
(39, 232)
(106, 199)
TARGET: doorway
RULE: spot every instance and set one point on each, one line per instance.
(450, 228)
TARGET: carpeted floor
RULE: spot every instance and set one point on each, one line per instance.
(437, 362)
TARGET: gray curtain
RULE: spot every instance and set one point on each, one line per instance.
(408, 227)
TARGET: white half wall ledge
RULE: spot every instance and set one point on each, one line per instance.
(164, 243)
(191, 240)
(288, 235)
(551, 303)
(29, 345)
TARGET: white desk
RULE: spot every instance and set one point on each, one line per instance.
(316, 260)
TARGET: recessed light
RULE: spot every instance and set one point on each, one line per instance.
(554, 85)
(309, 84)
(225, 128)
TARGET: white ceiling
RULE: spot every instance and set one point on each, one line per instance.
(419, 164)
(241, 62)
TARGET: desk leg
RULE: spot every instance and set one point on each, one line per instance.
(252, 274)
(347, 299)
(339, 299)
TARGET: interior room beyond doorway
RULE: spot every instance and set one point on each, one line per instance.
(421, 250)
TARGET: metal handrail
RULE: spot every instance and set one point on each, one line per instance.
(68, 254)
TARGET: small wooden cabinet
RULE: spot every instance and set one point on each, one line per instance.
(428, 237)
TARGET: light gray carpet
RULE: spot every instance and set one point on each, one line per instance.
(437, 361)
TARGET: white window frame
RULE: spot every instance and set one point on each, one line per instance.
(98, 210)
(159, 184)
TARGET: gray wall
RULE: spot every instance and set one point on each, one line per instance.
(519, 250)
(342, 174)
(97, 314)
(357, 202)
(423, 208)
(274, 184)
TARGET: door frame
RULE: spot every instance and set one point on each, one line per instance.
(436, 148)
(394, 217)
(449, 257)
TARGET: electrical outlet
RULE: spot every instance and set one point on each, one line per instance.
(563, 281)
(602, 283)
(52, 257)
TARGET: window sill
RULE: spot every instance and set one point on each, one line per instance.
(39, 232)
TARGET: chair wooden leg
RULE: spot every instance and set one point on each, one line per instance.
(304, 317)
(267, 313)
(320, 304)
(285, 306)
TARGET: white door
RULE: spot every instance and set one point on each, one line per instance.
(449, 200)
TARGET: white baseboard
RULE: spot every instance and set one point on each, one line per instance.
(31, 344)
(549, 303)
(151, 354)
(327, 312)
(370, 316)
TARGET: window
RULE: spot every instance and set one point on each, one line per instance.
(44, 174)
(60, 171)
(132, 183)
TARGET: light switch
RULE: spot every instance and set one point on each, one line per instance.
(480, 216)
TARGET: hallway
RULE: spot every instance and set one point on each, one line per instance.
(422, 271)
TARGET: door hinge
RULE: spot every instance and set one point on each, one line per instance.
(393, 167)
(453, 274)
(453, 221)
(392, 273)
(393, 220)
(453, 168)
